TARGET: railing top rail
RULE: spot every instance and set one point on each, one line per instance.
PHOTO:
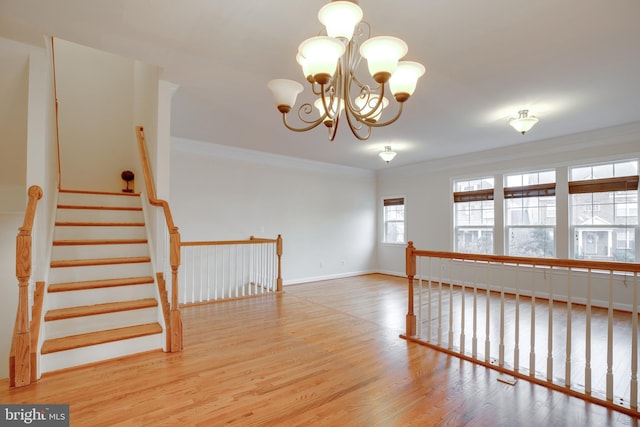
(538, 262)
(148, 180)
(252, 241)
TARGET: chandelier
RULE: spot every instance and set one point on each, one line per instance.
(329, 64)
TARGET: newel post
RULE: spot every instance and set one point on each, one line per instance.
(23, 332)
(176, 320)
(22, 356)
(279, 254)
(411, 272)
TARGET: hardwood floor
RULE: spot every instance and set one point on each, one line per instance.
(325, 353)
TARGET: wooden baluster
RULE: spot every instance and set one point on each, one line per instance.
(550, 329)
(429, 300)
(450, 334)
(487, 339)
(410, 265)
(462, 307)
(208, 273)
(279, 253)
(587, 339)
(532, 337)
(201, 274)
(474, 340)
(440, 267)
(634, 345)
(420, 308)
(567, 364)
(501, 345)
(516, 348)
(610, 340)
(237, 266)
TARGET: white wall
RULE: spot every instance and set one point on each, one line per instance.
(96, 93)
(14, 88)
(325, 214)
(428, 186)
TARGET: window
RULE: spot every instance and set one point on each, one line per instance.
(473, 215)
(393, 214)
(530, 214)
(604, 211)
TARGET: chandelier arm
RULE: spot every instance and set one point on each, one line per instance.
(333, 129)
(356, 127)
(388, 122)
(303, 129)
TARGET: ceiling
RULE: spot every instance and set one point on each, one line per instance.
(575, 64)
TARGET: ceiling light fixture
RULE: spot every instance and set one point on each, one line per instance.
(523, 123)
(387, 155)
(329, 64)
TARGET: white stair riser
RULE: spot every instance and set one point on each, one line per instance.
(84, 355)
(99, 296)
(88, 233)
(99, 272)
(83, 325)
(99, 251)
(98, 215)
(81, 199)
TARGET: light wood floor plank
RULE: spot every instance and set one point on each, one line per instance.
(320, 354)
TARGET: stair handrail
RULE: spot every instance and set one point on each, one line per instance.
(174, 243)
(20, 354)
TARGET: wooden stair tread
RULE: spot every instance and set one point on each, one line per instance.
(101, 337)
(95, 284)
(98, 224)
(106, 193)
(92, 310)
(106, 208)
(99, 242)
(98, 261)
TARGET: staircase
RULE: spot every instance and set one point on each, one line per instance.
(101, 300)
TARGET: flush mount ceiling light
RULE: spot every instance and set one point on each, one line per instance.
(387, 155)
(523, 123)
(329, 64)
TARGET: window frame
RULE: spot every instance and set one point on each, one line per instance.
(538, 191)
(384, 222)
(615, 185)
(467, 197)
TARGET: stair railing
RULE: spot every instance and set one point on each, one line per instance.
(229, 269)
(175, 321)
(20, 363)
(570, 319)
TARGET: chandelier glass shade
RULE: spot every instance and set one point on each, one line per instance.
(387, 155)
(524, 122)
(330, 64)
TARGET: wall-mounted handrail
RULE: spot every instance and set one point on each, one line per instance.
(174, 242)
(20, 355)
(464, 301)
(57, 105)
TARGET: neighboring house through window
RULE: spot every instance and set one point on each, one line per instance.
(604, 211)
(530, 214)
(473, 215)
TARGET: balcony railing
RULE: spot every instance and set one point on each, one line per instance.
(571, 325)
